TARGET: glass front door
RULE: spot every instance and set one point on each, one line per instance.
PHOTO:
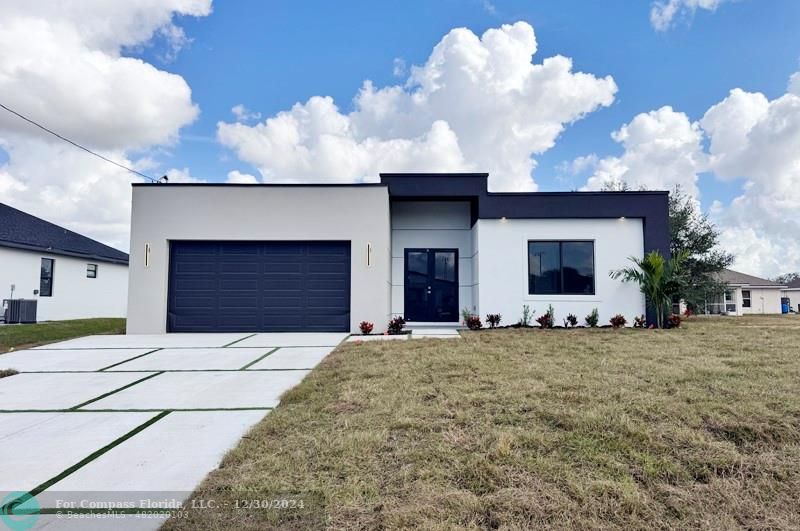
(431, 285)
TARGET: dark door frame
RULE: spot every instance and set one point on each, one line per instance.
(428, 250)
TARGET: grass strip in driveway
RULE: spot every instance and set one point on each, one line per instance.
(129, 359)
(116, 390)
(259, 359)
(518, 429)
(238, 340)
(8, 508)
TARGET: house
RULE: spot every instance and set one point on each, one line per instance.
(69, 275)
(323, 257)
(792, 292)
(745, 295)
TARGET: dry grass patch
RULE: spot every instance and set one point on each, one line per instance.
(519, 429)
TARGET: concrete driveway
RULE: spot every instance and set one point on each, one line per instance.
(120, 418)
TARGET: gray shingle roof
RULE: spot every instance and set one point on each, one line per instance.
(735, 278)
(24, 231)
(794, 284)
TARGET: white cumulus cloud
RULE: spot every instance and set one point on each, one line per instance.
(237, 177)
(757, 140)
(752, 140)
(663, 148)
(476, 104)
(664, 12)
(63, 64)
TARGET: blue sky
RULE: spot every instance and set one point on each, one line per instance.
(269, 55)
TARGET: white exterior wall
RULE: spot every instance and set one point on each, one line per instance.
(74, 295)
(429, 225)
(762, 300)
(258, 213)
(502, 259)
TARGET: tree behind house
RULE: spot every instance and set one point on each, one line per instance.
(692, 233)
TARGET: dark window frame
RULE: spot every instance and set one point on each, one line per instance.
(561, 268)
(91, 270)
(746, 301)
(42, 278)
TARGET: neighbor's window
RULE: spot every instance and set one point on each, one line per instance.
(91, 270)
(745, 298)
(560, 268)
(46, 277)
(730, 302)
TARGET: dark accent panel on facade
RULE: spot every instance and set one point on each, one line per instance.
(259, 287)
(651, 207)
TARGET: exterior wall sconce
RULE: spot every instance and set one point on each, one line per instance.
(147, 255)
(370, 259)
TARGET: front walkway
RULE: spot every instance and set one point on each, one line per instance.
(136, 417)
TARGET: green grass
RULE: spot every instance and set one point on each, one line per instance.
(14, 337)
(526, 429)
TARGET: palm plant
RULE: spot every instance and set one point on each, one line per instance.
(659, 279)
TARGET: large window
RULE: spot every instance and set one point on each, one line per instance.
(46, 277)
(745, 298)
(560, 268)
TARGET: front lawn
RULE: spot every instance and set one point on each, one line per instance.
(14, 337)
(520, 429)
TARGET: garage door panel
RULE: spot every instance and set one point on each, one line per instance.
(196, 284)
(259, 286)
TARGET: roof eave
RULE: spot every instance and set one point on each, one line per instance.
(62, 252)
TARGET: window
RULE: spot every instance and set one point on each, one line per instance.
(730, 302)
(91, 270)
(745, 298)
(46, 277)
(560, 268)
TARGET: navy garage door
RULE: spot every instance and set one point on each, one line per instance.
(259, 287)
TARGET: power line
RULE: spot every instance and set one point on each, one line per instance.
(65, 139)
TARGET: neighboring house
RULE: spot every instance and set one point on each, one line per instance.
(71, 276)
(224, 257)
(745, 295)
(792, 292)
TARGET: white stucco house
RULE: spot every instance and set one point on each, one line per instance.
(69, 275)
(223, 257)
(745, 295)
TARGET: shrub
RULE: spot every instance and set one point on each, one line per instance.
(366, 327)
(466, 313)
(687, 313)
(473, 322)
(396, 326)
(593, 318)
(547, 320)
(493, 319)
(527, 315)
(674, 320)
(618, 321)
(571, 321)
(639, 322)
